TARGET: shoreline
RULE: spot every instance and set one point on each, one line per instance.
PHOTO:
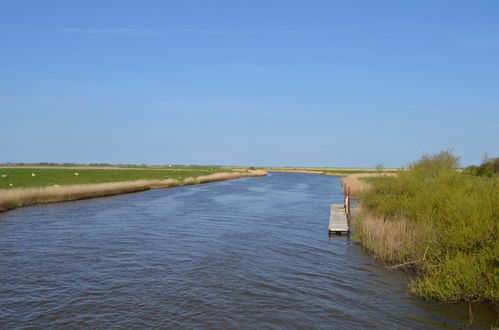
(22, 197)
(351, 180)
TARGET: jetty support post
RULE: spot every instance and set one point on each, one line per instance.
(345, 196)
(348, 202)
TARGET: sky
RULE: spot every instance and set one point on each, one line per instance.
(252, 83)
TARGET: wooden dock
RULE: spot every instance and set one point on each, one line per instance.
(338, 222)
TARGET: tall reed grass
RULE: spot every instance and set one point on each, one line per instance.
(356, 184)
(389, 240)
(19, 197)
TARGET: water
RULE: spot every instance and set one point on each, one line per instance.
(250, 253)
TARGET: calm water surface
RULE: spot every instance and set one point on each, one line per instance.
(250, 253)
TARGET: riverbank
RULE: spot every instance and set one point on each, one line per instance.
(20, 197)
(439, 223)
(354, 178)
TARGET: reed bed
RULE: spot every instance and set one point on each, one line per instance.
(389, 240)
(355, 182)
(229, 176)
(19, 197)
(297, 171)
(253, 173)
(218, 177)
(189, 181)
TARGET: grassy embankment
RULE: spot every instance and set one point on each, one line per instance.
(329, 170)
(18, 187)
(439, 222)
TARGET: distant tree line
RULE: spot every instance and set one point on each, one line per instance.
(51, 164)
(489, 168)
(97, 164)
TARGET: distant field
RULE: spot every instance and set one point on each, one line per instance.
(339, 171)
(21, 177)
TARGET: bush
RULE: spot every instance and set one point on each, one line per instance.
(489, 168)
(456, 218)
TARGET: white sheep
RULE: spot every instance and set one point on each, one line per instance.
(5, 176)
(33, 174)
(10, 184)
(76, 173)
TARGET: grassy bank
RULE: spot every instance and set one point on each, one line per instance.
(45, 176)
(43, 191)
(439, 222)
(329, 171)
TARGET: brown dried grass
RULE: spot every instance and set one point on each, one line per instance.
(189, 181)
(253, 173)
(356, 185)
(218, 177)
(390, 240)
(229, 176)
(30, 196)
(297, 171)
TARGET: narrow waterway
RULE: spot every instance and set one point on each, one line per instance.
(249, 253)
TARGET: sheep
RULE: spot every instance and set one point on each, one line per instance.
(10, 184)
(76, 173)
(5, 176)
(33, 174)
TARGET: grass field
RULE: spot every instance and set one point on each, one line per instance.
(21, 177)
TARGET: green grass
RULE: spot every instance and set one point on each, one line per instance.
(456, 215)
(370, 179)
(20, 177)
(348, 171)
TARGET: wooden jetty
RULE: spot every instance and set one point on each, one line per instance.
(338, 222)
(338, 219)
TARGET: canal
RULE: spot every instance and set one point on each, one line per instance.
(249, 253)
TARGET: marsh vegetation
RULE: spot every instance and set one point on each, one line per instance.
(439, 222)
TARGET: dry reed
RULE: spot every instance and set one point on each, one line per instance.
(218, 177)
(356, 185)
(390, 240)
(30, 196)
(229, 176)
(168, 183)
(297, 171)
(189, 180)
(253, 173)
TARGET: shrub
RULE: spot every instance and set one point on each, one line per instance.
(450, 227)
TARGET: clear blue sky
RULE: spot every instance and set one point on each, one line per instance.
(298, 83)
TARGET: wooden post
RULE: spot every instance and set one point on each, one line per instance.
(348, 206)
(345, 196)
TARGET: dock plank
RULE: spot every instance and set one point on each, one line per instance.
(338, 221)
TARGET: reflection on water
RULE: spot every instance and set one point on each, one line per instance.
(250, 253)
